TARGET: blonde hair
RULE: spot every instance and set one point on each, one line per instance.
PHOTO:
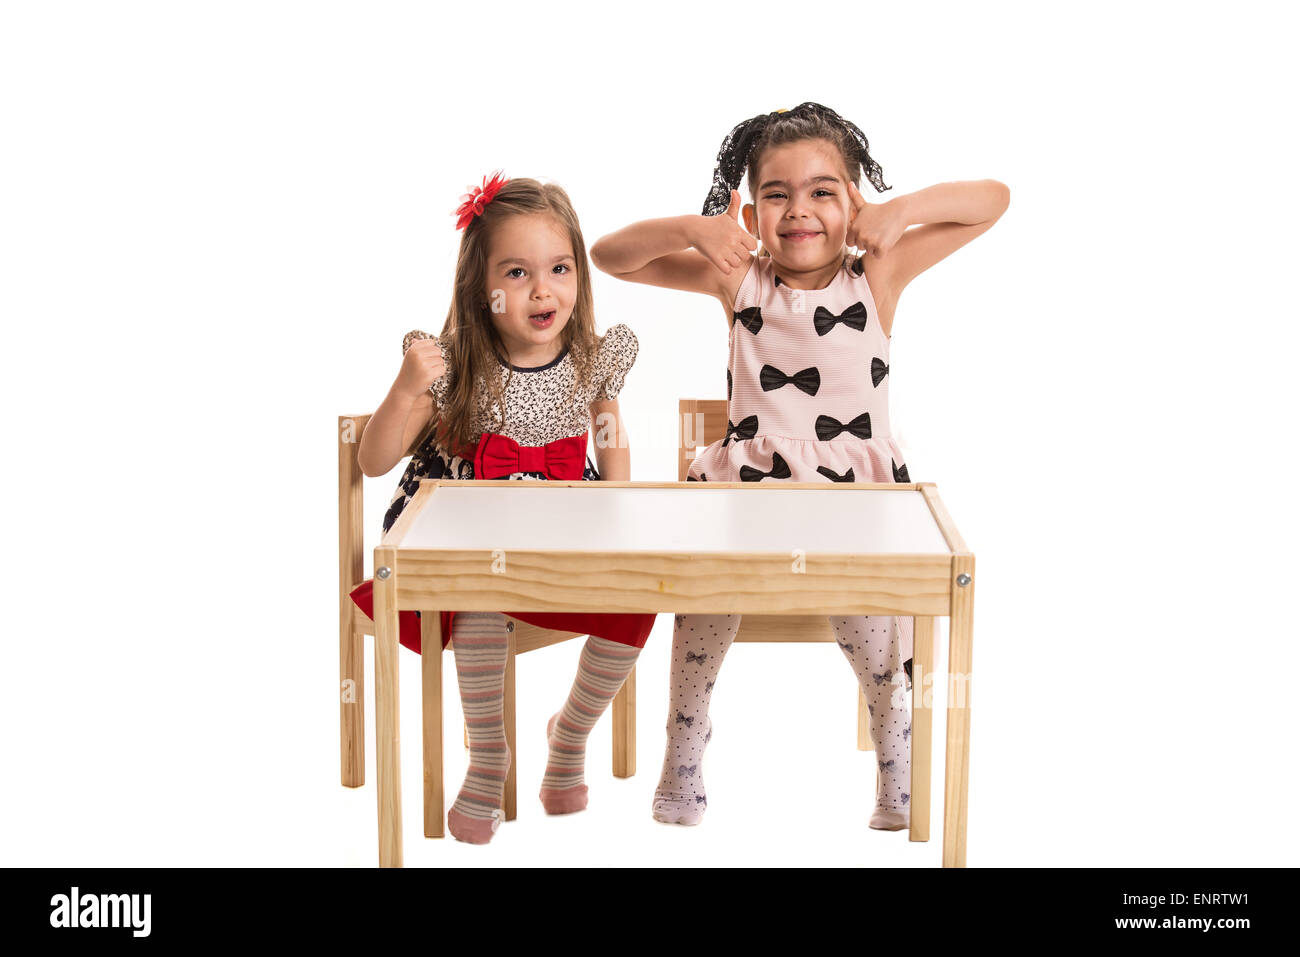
(474, 347)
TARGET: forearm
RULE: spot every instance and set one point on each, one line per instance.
(381, 442)
(614, 464)
(969, 202)
(632, 247)
(613, 457)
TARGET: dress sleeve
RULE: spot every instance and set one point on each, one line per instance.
(618, 352)
(439, 387)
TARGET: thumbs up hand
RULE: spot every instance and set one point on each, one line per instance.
(721, 239)
(874, 228)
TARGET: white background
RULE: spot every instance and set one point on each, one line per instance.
(218, 220)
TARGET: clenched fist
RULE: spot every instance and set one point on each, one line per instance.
(422, 366)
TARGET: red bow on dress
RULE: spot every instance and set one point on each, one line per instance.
(498, 455)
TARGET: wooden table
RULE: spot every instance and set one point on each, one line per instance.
(835, 548)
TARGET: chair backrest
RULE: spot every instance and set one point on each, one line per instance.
(701, 422)
(352, 502)
(351, 509)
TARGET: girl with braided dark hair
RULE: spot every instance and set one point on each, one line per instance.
(807, 380)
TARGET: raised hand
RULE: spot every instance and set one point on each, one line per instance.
(421, 367)
(874, 228)
(721, 239)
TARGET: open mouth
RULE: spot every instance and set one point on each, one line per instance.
(542, 319)
(800, 235)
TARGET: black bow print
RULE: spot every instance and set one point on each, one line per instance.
(907, 732)
(827, 428)
(698, 659)
(708, 686)
(394, 510)
(699, 798)
(855, 317)
(678, 619)
(805, 380)
(886, 765)
(906, 797)
(728, 385)
(751, 319)
(900, 472)
(878, 370)
(834, 477)
(847, 647)
(747, 428)
(780, 470)
(684, 772)
(682, 719)
(881, 679)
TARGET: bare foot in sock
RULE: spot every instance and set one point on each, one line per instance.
(562, 800)
(472, 828)
(890, 819)
(603, 668)
(680, 797)
(480, 643)
(890, 816)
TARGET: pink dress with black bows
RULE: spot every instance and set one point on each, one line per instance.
(807, 390)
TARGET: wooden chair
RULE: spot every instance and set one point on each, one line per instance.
(353, 625)
(701, 422)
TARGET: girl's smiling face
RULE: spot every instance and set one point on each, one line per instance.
(532, 283)
(801, 204)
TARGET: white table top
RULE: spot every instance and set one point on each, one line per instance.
(698, 518)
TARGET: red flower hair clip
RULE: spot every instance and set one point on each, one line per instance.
(479, 196)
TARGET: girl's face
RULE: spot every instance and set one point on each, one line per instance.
(532, 282)
(801, 204)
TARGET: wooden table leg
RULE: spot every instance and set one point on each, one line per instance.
(388, 757)
(431, 710)
(922, 725)
(957, 768)
(625, 728)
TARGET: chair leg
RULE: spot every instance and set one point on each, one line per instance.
(625, 728)
(352, 701)
(511, 795)
(864, 722)
(431, 705)
(922, 725)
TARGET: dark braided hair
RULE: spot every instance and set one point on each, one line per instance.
(743, 147)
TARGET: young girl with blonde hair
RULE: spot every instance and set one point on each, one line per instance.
(509, 390)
